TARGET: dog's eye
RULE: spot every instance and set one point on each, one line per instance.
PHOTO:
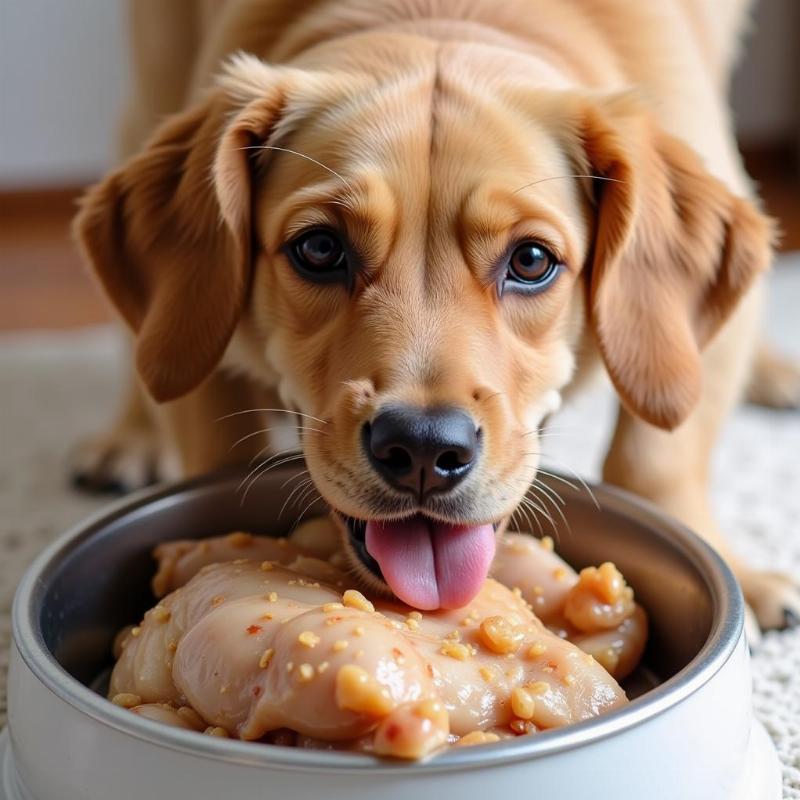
(319, 255)
(532, 267)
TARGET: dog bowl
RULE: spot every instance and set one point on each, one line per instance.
(692, 736)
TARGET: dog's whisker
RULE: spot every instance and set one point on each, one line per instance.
(280, 462)
(256, 474)
(293, 477)
(303, 512)
(278, 454)
(577, 477)
(266, 447)
(555, 476)
(296, 491)
(272, 428)
(262, 451)
(531, 518)
(274, 410)
(299, 155)
(542, 510)
(539, 488)
(562, 177)
(513, 522)
(263, 463)
(301, 486)
(304, 487)
(556, 434)
(549, 490)
(537, 510)
(547, 426)
(557, 462)
(528, 507)
(249, 474)
(305, 494)
(533, 507)
(265, 471)
(551, 429)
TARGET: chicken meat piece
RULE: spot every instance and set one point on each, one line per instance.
(181, 559)
(594, 609)
(251, 648)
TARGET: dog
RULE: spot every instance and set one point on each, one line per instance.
(420, 225)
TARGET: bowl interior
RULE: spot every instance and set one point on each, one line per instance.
(101, 580)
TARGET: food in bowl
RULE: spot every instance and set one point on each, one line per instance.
(265, 640)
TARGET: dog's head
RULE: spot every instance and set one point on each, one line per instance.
(415, 253)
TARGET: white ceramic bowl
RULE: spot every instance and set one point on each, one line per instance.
(691, 737)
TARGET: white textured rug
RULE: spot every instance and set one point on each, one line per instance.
(56, 388)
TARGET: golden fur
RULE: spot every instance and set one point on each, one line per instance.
(436, 133)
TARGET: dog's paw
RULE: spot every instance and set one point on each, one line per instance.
(122, 460)
(774, 598)
(775, 381)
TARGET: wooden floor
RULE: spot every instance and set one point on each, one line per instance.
(43, 283)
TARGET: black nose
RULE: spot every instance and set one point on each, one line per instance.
(422, 450)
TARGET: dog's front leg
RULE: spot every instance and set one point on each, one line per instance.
(133, 452)
(673, 468)
(224, 421)
(221, 422)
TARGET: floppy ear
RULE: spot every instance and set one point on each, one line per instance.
(674, 252)
(169, 235)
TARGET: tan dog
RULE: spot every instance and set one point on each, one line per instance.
(419, 223)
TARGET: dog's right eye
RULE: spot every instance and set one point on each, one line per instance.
(319, 255)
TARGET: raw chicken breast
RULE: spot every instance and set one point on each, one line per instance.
(257, 650)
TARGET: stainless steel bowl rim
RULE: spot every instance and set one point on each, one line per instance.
(728, 613)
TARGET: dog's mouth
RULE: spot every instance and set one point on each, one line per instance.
(427, 563)
(357, 535)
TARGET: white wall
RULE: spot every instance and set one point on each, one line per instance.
(62, 83)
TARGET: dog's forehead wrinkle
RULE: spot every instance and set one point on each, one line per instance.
(435, 94)
(402, 110)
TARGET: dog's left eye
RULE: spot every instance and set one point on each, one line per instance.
(319, 255)
(532, 267)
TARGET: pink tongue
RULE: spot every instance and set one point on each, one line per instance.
(430, 564)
